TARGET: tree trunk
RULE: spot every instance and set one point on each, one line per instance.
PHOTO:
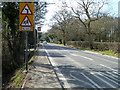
(64, 42)
(64, 38)
(89, 37)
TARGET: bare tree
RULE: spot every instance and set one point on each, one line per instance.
(63, 18)
(88, 11)
(40, 11)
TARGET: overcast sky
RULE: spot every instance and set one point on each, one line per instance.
(112, 7)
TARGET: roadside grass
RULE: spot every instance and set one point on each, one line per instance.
(106, 52)
(17, 79)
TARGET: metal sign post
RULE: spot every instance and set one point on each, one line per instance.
(26, 23)
(26, 55)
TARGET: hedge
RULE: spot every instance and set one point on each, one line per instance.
(98, 46)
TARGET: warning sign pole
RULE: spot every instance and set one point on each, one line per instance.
(26, 12)
(26, 55)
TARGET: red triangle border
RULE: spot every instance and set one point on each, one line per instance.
(26, 25)
(29, 9)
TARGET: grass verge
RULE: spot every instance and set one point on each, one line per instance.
(19, 75)
(106, 52)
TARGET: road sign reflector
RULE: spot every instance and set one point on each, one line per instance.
(26, 10)
(26, 22)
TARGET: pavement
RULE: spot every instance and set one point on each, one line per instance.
(81, 69)
(41, 73)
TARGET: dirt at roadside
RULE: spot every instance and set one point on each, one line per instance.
(41, 73)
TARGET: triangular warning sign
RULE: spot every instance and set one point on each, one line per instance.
(26, 10)
(26, 22)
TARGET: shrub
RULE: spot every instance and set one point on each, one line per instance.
(100, 46)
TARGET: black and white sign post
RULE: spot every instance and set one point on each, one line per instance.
(26, 23)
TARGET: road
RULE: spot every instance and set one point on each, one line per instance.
(83, 69)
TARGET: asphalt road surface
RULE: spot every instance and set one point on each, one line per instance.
(83, 69)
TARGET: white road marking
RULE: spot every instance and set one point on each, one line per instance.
(87, 58)
(112, 74)
(109, 61)
(91, 81)
(90, 52)
(106, 56)
(108, 67)
(102, 80)
(82, 81)
(103, 58)
(93, 53)
(81, 56)
(101, 54)
(92, 73)
(115, 72)
(61, 76)
(96, 53)
(109, 79)
(74, 54)
(73, 61)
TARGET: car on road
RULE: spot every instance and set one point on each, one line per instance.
(44, 42)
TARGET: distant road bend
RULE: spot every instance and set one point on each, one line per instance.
(83, 69)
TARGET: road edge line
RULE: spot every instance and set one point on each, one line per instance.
(57, 69)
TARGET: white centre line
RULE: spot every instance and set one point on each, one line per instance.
(81, 56)
(87, 58)
(74, 54)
